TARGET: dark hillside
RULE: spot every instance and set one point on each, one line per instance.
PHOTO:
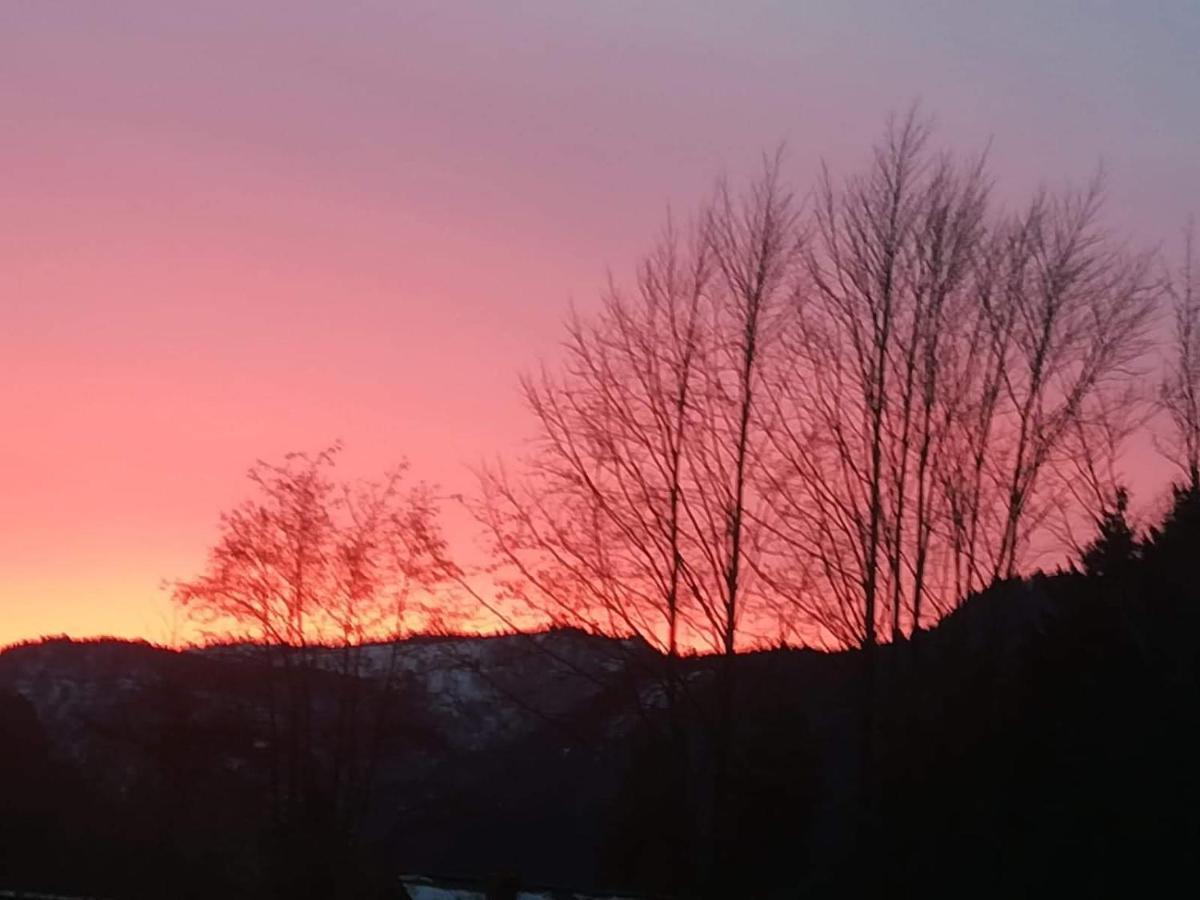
(1042, 736)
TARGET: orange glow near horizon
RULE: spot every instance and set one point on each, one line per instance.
(229, 233)
(86, 614)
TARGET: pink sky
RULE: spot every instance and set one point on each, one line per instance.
(233, 229)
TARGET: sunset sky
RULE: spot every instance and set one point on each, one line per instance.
(232, 229)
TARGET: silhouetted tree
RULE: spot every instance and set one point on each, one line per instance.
(1080, 306)
(1116, 544)
(310, 574)
(640, 510)
(594, 530)
(1179, 395)
(755, 242)
(865, 398)
(953, 377)
(1174, 543)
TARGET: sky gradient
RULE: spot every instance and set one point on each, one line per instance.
(234, 229)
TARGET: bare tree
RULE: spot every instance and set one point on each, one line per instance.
(639, 510)
(755, 242)
(1087, 483)
(1179, 395)
(592, 532)
(318, 579)
(866, 397)
(974, 424)
(1079, 309)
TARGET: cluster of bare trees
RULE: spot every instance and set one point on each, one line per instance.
(832, 420)
(642, 508)
(949, 367)
(310, 561)
(317, 579)
(825, 420)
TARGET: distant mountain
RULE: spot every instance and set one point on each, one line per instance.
(501, 730)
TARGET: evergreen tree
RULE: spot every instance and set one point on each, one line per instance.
(1116, 544)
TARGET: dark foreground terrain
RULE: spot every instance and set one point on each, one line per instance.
(1041, 739)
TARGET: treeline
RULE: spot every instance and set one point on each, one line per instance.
(829, 415)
